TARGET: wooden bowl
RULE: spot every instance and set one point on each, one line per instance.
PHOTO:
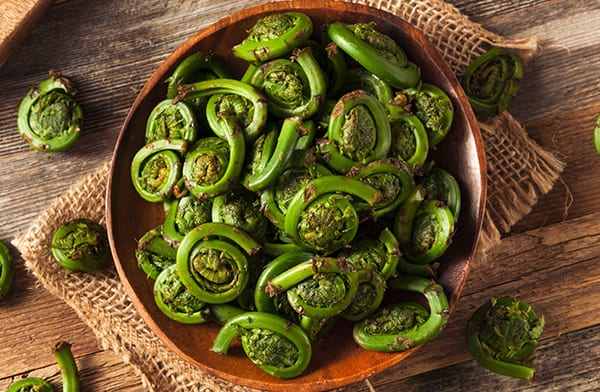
(337, 361)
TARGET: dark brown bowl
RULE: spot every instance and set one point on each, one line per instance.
(337, 361)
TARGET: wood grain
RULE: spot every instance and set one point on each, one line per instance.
(550, 257)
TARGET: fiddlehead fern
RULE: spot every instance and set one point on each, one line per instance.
(81, 245)
(597, 135)
(212, 261)
(171, 120)
(242, 210)
(276, 345)
(176, 301)
(323, 220)
(156, 169)
(31, 384)
(49, 118)
(213, 165)
(492, 80)
(502, 335)
(403, 325)
(390, 177)
(194, 68)
(154, 253)
(321, 287)
(435, 110)
(184, 214)
(361, 79)
(376, 52)
(410, 142)
(68, 366)
(295, 87)
(439, 184)
(431, 232)
(358, 132)
(273, 36)
(6, 271)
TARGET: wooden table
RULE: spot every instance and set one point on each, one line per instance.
(550, 259)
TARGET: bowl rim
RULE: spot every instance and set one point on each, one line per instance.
(174, 57)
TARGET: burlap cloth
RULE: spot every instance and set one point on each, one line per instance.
(519, 171)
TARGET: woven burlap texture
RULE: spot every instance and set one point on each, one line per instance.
(519, 171)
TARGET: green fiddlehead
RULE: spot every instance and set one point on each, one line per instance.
(68, 366)
(502, 335)
(294, 87)
(273, 36)
(439, 184)
(31, 384)
(196, 67)
(176, 301)
(320, 218)
(361, 79)
(242, 210)
(358, 132)
(431, 232)
(276, 345)
(369, 295)
(212, 261)
(410, 142)
(184, 214)
(213, 165)
(492, 80)
(49, 118)
(6, 270)
(276, 199)
(435, 110)
(597, 135)
(156, 169)
(404, 325)
(321, 287)
(276, 161)
(171, 120)
(81, 245)
(390, 177)
(154, 253)
(376, 52)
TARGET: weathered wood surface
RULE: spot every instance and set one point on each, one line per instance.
(550, 259)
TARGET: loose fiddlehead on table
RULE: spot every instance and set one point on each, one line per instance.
(376, 52)
(81, 245)
(403, 325)
(492, 80)
(176, 301)
(156, 169)
(6, 270)
(212, 261)
(31, 384)
(49, 118)
(273, 36)
(358, 132)
(275, 344)
(502, 335)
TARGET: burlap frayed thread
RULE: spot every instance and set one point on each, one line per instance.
(519, 171)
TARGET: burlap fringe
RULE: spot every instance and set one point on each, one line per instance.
(519, 171)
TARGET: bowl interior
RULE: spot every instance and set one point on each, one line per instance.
(337, 360)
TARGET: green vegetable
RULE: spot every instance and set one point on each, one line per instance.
(597, 135)
(502, 335)
(242, 210)
(410, 142)
(403, 325)
(81, 245)
(176, 301)
(358, 132)
(435, 110)
(154, 253)
(212, 261)
(492, 80)
(171, 120)
(184, 214)
(278, 346)
(439, 184)
(49, 118)
(68, 366)
(6, 271)
(196, 67)
(376, 52)
(31, 384)
(273, 36)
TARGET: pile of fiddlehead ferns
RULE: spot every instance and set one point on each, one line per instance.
(299, 194)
